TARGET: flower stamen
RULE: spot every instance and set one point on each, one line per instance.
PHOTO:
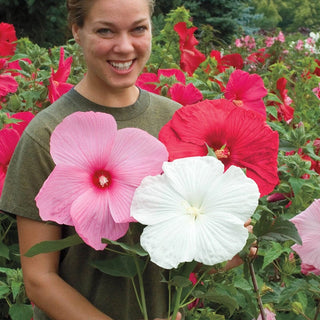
(101, 179)
(222, 153)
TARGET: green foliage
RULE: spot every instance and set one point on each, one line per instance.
(270, 16)
(44, 22)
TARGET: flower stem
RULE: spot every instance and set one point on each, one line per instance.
(317, 311)
(256, 290)
(142, 294)
(177, 303)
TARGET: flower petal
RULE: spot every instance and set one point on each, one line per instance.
(84, 139)
(92, 219)
(63, 186)
(308, 226)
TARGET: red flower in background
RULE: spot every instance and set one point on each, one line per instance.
(238, 137)
(285, 111)
(191, 58)
(151, 81)
(246, 90)
(258, 57)
(229, 60)
(317, 70)
(58, 85)
(7, 39)
(9, 137)
(185, 94)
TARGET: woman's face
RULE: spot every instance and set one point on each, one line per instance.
(116, 42)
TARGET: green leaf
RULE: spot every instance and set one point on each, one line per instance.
(211, 152)
(273, 253)
(120, 266)
(181, 282)
(4, 289)
(15, 288)
(286, 146)
(55, 245)
(21, 312)
(135, 249)
(219, 297)
(276, 229)
(296, 184)
(4, 251)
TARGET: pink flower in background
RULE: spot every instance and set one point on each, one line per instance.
(8, 39)
(97, 171)
(185, 94)
(58, 80)
(246, 90)
(308, 226)
(307, 269)
(191, 57)
(269, 314)
(269, 41)
(299, 45)
(281, 37)
(316, 91)
(9, 137)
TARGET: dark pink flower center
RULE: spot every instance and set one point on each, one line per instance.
(101, 179)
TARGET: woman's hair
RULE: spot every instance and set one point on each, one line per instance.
(79, 9)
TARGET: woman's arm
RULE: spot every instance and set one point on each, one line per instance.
(44, 286)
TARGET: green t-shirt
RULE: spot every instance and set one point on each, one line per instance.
(30, 166)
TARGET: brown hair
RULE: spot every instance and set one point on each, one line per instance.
(79, 9)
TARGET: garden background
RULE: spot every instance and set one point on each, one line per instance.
(277, 40)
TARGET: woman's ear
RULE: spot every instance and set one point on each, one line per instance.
(75, 32)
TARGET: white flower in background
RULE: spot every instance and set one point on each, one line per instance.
(194, 211)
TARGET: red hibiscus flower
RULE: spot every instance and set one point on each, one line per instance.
(7, 39)
(229, 60)
(317, 70)
(58, 85)
(7, 85)
(191, 58)
(153, 82)
(246, 90)
(238, 137)
(285, 111)
(258, 57)
(9, 137)
(185, 94)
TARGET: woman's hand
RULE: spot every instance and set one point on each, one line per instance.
(178, 317)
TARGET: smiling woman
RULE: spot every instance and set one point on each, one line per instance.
(115, 36)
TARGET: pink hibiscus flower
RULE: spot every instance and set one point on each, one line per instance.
(307, 269)
(97, 171)
(269, 314)
(58, 80)
(246, 90)
(308, 226)
(9, 137)
(191, 57)
(238, 137)
(7, 39)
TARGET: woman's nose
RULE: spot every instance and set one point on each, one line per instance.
(124, 43)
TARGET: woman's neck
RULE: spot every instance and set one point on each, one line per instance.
(116, 98)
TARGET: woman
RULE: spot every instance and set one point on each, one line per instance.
(115, 36)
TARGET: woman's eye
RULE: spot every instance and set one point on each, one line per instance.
(104, 31)
(140, 29)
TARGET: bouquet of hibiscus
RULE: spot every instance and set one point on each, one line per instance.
(193, 189)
